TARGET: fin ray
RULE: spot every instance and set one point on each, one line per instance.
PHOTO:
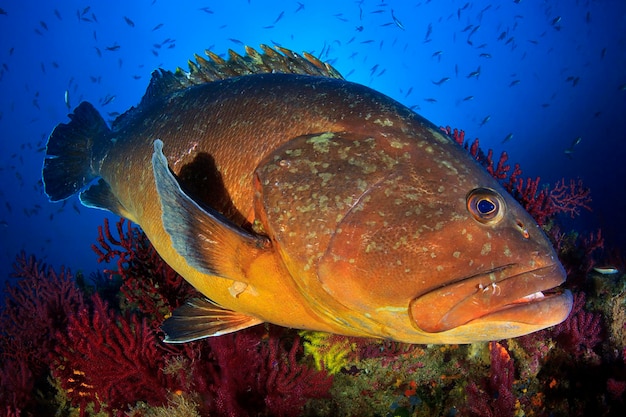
(201, 318)
(69, 162)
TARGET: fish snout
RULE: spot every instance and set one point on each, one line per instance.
(501, 295)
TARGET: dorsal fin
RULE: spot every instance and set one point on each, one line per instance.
(278, 60)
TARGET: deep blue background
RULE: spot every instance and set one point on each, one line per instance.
(43, 53)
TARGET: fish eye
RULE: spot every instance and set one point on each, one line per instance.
(485, 205)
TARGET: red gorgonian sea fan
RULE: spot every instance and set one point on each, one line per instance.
(111, 360)
(494, 397)
(148, 283)
(37, 304)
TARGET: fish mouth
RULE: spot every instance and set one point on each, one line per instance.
(529, 297)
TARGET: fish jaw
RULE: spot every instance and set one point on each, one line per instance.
(500, 299)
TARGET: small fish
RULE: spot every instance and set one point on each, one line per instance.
(468, 98)
(67, 99)
(436, 54)
(300, 7)
(485, 120)
(157, 27)
(280, 16)
(129, 22)
(57, 14)
(261, 247)
(606, 270)
(428, 32)
(441, 81)
(396, 21)
(475, 74)
(485, 55)
(108, 99)
(570, 151)
(514, 83)
(508, 138)
(373, 69)
(474, 30)
(112, 47)
(556, 20)
(206, 10)
(3, 12)
(430, 100)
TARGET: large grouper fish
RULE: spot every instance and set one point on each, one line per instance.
(285, 194)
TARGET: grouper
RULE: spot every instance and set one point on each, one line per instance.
(286, 194)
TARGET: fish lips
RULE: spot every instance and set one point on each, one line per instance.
(528, 297)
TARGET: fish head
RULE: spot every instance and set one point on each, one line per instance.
(403, 235)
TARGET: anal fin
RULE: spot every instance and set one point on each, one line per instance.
(200, 318)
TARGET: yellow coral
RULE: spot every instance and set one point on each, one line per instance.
(329, 352)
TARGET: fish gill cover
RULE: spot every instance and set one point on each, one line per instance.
(543, 82)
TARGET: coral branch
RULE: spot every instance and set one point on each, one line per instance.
(111, 360)
(37, 303)
(148, 283)
(495, 398)
(581, 331)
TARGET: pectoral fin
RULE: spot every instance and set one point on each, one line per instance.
(200, 318)
(207, 240)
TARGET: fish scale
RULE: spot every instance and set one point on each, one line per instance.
(286, 194)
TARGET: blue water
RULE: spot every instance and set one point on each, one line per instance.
(557, 73)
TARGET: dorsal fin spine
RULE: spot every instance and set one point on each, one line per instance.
(201, 71)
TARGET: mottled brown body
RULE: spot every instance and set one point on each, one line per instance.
(357, 216)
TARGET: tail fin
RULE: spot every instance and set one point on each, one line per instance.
(68, 165)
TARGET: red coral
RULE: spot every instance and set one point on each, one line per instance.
(148, 282)
(272, 379)
(495, 397)
(590, 246)
(456, 134)
(16, 384)
(581, 331)
(545, 203)
(616, 389)
(36, 306)
(570, 199)
(111, 360)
